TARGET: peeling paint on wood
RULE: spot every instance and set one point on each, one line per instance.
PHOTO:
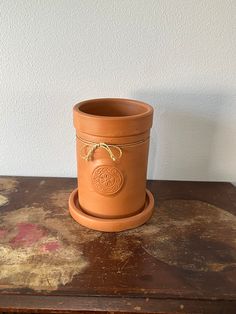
(40, 247)
(8, 185)
(32, 256)
(3, 200)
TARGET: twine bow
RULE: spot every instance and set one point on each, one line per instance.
(107, 147)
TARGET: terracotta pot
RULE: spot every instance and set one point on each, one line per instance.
(112, 138)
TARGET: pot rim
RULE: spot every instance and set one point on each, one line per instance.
(148, 109)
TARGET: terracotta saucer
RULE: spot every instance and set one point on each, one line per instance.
(110, 225)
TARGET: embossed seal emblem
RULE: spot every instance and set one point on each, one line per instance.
(107, 180)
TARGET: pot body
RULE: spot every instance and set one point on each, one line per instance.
(112, 138)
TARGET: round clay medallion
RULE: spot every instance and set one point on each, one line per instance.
(107, 180)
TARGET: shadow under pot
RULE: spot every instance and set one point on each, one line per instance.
(112, 139)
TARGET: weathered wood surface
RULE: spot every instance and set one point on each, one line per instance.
(182, 261)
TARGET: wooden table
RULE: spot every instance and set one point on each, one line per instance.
(182, 261)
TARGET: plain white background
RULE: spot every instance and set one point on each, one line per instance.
(177, 55)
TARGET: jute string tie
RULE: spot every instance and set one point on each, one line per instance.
(105, 146)
(91, 147)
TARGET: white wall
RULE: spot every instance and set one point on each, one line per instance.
(178, 55)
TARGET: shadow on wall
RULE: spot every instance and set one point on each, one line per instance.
(191, 135)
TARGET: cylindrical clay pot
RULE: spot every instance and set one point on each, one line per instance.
(112, 138)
